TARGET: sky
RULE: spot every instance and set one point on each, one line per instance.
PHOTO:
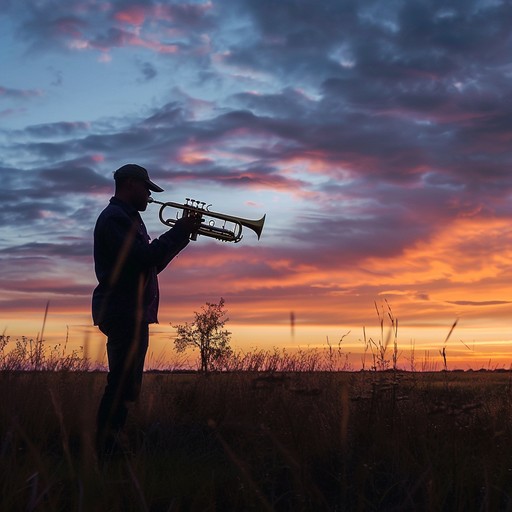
(375, 136)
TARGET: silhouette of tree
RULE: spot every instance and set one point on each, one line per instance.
(206, 333)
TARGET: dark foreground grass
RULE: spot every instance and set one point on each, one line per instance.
(244, 441)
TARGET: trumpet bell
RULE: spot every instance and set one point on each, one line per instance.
(255, 225)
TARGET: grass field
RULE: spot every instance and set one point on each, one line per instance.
(296, 441)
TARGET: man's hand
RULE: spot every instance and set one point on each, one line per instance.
(190, 223)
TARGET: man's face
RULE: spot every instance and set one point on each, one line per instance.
(139, 194)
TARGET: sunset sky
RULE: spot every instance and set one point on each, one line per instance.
(376, 137)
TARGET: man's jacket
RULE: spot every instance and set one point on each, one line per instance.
(127, 264)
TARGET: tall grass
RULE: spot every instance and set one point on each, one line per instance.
(261, 441)
(27, 354)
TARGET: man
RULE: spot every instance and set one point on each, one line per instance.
(125, 301)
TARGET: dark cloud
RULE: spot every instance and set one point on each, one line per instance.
(339, 239)
(28, 195)
(169, 115)
(398, 41)
(46, 25)
(148, 70)
(60, 250)
(57, 76)
(252, 177)
(73, 177)
(19, 94)
(114, 37)
(60, 129)
(290, 103)
(479, 303)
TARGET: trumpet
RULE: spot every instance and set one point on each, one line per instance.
(223, 227)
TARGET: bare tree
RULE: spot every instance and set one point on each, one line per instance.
(206, 333)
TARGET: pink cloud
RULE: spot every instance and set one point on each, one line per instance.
(12, 112)
(119, 38)
(133, 15)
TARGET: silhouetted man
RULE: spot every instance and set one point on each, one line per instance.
(125, 301)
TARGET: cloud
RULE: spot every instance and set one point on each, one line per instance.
(8, 112)
(148, 70)
(58, 129)
(83, 25)
(375, 135)
(19, 94)
(79, 248)
(31, 197)
(385, 167)
(57, 76)
(290, 103)
(479, 303)
(71, 177)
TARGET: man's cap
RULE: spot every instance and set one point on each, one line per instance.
(136, 171)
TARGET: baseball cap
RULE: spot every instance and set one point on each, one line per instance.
(136, 171)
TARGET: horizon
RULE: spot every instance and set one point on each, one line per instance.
(419, 355)
(375, 138)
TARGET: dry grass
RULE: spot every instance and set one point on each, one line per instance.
(262, 441)
(27, 354)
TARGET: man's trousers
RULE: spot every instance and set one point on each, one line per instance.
(127, 344)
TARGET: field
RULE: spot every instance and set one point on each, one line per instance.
(340, 441)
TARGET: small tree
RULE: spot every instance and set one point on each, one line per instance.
(206, 333)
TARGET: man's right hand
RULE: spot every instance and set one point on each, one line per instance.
(191, 223)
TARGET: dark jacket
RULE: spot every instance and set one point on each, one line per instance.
(127, 264)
